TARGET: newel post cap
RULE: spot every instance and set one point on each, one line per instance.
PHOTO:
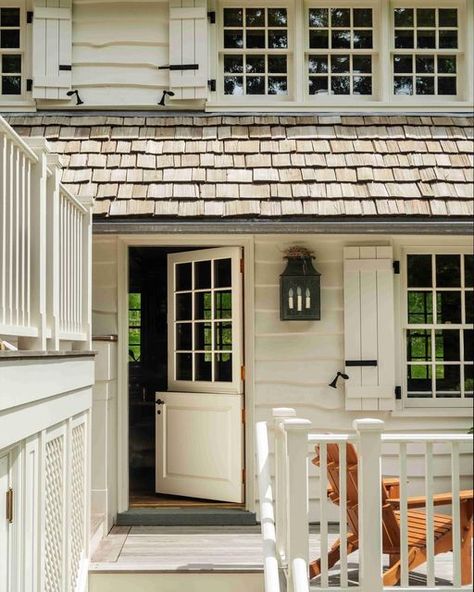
(368, 425)
(278, 412)
(295, 423)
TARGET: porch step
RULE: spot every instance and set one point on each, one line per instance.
(170, 582)
(185, 517)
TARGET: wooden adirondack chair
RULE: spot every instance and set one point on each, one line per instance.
(442, 524)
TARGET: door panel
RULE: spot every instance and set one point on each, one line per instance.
(199, 430)
(199, 446)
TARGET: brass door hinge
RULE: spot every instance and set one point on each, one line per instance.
(9, 505)
(241, 266)
(243, 415)
(242, 373)
(243, 475)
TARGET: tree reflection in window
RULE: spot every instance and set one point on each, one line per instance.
(134, 326)
(439, 333)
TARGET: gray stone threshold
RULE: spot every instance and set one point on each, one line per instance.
(185, 517)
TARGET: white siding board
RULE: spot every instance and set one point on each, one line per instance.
(298, 348)
(124, 55)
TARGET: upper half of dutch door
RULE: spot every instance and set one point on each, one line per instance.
(227, 56)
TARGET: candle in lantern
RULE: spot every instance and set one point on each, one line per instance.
(307, 299)
(299, 299)
(290, 299)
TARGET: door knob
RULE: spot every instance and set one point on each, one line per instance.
(159, 401)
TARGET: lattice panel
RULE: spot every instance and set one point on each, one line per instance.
(78, 453)
(54, 512)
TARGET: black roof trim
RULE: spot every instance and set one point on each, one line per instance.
(306, 225)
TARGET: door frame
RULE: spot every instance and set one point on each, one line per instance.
(124, 242)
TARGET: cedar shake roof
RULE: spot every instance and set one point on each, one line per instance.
(269, 166)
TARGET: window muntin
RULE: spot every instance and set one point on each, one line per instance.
(341, 43)
(11, 54)
(203, 321)
(440, 326)
(425, 58)
(255, 45)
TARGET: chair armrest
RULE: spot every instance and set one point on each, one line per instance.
(392, 485)
(439, 499)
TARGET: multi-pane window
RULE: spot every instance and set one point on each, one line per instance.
(439, 333)
(134, 327)
(425, 58)
(203, 322)
(255, 54)
(10, 51)
(340, 41)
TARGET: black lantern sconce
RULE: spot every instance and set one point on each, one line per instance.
(300, 287)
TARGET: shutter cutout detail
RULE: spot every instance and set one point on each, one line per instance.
(369, 328)
(188, 45)
(52, 50)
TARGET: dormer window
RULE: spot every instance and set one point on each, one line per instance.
(255, 51)
(426, 52)
(341, 43)
(387, 53)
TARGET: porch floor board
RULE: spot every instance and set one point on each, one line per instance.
(215, 549)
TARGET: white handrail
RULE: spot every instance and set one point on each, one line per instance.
(267, 515)
(19, 143)
(45, 249)
(400, 438)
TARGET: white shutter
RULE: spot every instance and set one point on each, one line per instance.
(369, 328)
(52, 50)
(187, 47)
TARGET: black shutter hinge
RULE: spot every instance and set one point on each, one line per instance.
(212, 17)
(396, 267)
(180, 67)
(398, 392)
(65, 68)
(29, 17)
(211, 84)
(29, 84)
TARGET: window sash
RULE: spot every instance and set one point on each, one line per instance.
(195, 384)
(457, 52)
(430, 399)
(4, 98)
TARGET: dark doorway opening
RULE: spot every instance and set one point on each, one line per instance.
(147, 360)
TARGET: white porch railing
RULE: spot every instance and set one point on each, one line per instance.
(45, 249)
(356, 491)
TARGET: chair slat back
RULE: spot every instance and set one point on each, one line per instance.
(390, 525)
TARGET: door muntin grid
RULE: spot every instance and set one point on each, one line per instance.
(204, 321)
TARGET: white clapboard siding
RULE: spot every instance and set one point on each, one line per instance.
(188, 45)
(369, 329)
(52, 49)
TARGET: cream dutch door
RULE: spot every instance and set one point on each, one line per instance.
(199, 430)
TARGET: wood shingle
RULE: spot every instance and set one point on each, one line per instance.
(269, 166)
